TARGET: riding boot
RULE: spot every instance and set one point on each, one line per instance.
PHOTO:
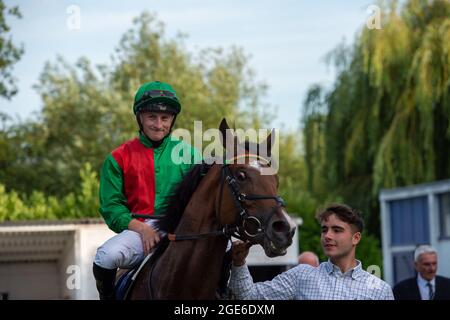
(105, 280)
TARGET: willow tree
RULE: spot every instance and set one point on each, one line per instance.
(385, 122)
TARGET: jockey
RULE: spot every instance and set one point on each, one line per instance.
(138, 177)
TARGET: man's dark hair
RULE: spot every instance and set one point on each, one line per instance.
(344, 213)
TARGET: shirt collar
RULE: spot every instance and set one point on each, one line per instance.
(354, 272)
(421, 282)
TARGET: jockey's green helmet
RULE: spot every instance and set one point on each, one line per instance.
(158, 97)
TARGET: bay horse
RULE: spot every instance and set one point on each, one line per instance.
(211, 204)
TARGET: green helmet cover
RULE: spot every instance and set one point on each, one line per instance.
(156, 96)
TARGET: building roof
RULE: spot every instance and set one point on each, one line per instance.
(39, 240)
(417, 190)
(15, 223)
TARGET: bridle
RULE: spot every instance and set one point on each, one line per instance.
(245, 224)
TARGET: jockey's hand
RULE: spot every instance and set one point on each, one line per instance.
(149, 236)
(239, 251)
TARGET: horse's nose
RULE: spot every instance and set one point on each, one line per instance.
(282, 227)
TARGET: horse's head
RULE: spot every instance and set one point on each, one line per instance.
(248, 195)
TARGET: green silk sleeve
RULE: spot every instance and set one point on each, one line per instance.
(113, 203)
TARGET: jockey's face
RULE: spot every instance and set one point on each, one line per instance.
(156, 125)
(337, 238)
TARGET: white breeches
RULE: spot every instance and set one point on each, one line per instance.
(124, 250)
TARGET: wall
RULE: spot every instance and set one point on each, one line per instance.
(19, 280)
(91, 237)
(68, 259)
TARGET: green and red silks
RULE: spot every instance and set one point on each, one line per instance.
(138, 178)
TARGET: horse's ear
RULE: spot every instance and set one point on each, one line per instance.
(267, 145)
(226, 134)
(230, 142)
(223, 127)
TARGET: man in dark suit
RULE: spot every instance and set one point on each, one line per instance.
(427, 285)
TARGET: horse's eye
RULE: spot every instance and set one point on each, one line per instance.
(241, 176)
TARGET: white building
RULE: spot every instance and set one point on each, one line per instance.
(53, 259)
(412, 216)
(49, 259)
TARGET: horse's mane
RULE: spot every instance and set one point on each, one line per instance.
(177, 203)
(181, 196)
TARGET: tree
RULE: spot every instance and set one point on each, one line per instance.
(385, 122)
(87, 109)
(83, 203)
(9, 53)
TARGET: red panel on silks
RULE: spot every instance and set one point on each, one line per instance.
(137, 164)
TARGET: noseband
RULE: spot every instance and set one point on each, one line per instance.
(249, 225)
(245, 225)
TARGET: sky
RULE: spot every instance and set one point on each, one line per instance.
(286, 40)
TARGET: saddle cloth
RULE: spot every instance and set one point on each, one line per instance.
(126, 279)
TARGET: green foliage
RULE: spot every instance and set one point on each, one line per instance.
(9, 53)
(83, 203)
(368, 251)
(297, 176)
(385, 122)
(313, 130)
(87, 110)
(48, 165)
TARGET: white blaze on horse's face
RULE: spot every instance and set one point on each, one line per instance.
(255, 164)
(291, 222)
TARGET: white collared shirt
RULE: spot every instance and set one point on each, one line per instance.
(423, 288)
(304, 282)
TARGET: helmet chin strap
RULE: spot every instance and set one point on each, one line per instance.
(138, 119)
(173, 122)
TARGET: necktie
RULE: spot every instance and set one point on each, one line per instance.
(430, 291)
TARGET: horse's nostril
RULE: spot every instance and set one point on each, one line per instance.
(280, 226)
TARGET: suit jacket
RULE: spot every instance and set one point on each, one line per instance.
(409, 290)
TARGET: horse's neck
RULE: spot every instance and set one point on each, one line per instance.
(199, 215)
(192, 267)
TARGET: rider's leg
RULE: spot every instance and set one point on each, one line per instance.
(121, 251)
(124, 250)
(105, 279)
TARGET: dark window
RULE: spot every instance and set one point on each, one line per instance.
(403, 265)
(444, 214)
(409, 221)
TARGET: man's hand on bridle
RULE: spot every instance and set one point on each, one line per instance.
(239, 251)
